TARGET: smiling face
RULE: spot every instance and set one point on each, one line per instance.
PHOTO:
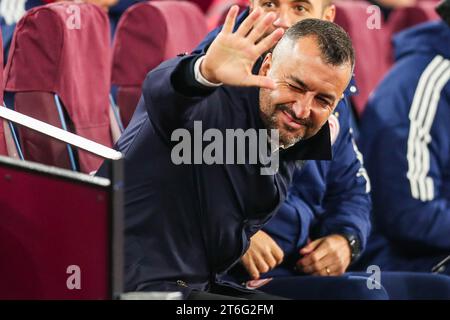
(307, 89)
(288, 12)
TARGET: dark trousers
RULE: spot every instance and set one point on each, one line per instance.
(346, 287)
(392, 285)
(229, 293)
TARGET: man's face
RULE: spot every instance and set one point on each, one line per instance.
(289, 12)
(307, 90)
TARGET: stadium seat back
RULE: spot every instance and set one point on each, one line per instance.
(60, 54)
(147, 34)
(372, 48)
(3, 150)
(218, 10)
(57, 238)
(409, 16)
(7, 144)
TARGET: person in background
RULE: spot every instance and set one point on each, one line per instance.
(405, 138)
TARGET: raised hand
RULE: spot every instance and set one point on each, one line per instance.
(231, 56)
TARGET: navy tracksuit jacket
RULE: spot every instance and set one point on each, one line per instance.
(405, 138)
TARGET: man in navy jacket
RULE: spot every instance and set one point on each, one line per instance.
(329, 200)
(405, 138)
(187, 223)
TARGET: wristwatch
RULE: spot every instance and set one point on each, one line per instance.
(355, 245)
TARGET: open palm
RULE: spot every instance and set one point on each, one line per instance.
(231, 56)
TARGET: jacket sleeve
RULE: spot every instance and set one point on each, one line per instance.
(290, 226)
(347, 202)
(170, 94)
(409, 164)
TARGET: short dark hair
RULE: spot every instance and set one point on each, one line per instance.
(334, 42)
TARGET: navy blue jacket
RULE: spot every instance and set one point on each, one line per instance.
(187, 223)
(405, 138)
(326, 197)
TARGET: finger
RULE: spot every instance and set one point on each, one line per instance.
(261, 264)
(258, 81)
(322, 272)
(327, 261)
(278, 254)
(270, 260)
(310, 247)
(230, 20)
(248, 23)
(270, 41)
(326, 273)
(261, 26)
(312, 258)
(250, 267)
(322, 250)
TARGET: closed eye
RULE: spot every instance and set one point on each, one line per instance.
(323, 102)
(296, 88)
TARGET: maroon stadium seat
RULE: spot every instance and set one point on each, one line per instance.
(407, 17)
(3, 150)
(147, 34)
(63, 241)
(218, 10)
(62, 51)
(374, 52)
(7, 146)
(202, 4)
(372, 48)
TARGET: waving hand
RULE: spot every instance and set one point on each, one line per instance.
(231, 56)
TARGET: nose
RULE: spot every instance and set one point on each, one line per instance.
(282, 20)
(302, 107)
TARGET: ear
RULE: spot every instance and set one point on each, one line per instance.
(266, 65)
(329, 13)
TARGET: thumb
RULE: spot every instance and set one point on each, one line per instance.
(310, 247)
(259, 81)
